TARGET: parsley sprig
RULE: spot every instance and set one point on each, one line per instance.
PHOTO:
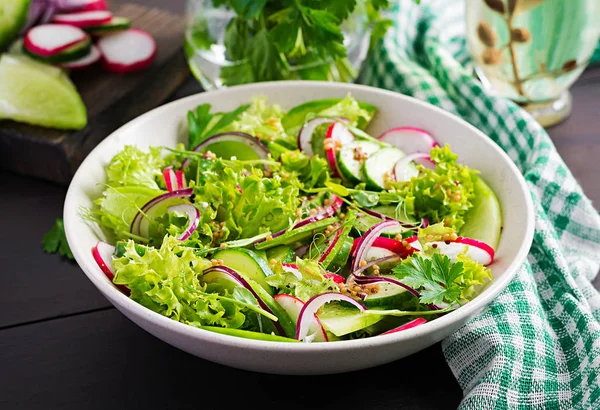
(55, 240)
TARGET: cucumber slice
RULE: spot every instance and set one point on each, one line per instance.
(13, 15)
(247, 334)
(116, 24)
(39, 96)
(349, 165)
(297, 235)
(247, 264)
(378, 165)
(483, 222)
(342, 320)
(72, 53)
(388, 295)
(338, 256)
(283, 254)
(338, 263)
(293, 120)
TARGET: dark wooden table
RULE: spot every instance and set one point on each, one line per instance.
(63, 346)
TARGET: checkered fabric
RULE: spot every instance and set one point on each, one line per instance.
(537, 346)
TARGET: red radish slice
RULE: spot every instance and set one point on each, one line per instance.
(479, 251)
(170, 179)
(306, 133)
(293, 269)
(293, 306)
(409, 325)
(405, 169)
(81, 5)
(409, 139)
(139, 225)
(331, 245)
(336, 278)
(310, 308)
(48, 40)
(336, 133)
(127, 51)
(103, 254)
(92, 58)
(234, 136)
(223, 272)
(390, 244)
(181, 182)
(366, 241)
(84, 18)
(193, 215)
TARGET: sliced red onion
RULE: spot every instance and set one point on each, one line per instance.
(384, 217)
(293, 306)
(229, 274)
(234, 136)
(137, 226)
(371, 264)
(368, 238)
(193, 215)
(411, 324)
(36, 10)
(409, 139)
(331, 245)
(306, 133)
(103, 253)
(293, 269)
(170, 179)
(424, 222)
(180, 177)
(310, 308)
(48, 13)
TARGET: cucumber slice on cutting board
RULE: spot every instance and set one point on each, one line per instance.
(349, 163)
(115, 24)
(483, 222)
(378, 165)
(13, 15)
(72, 53)
(39, 95)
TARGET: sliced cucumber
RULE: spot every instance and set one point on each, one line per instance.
(349, 165)
(293, 120)
(283, 254)
(72, 53)
(247, 334)
(342, 320)
(388, 295)
(379, 166)
(483, 222)
(13, 14)
(338, 263)
(297, 235)
(337, 257)
(116, 24)
(247, 264)
(286, 323)
(374, 253)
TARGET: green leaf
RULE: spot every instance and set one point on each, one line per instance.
(236, 39)
(55, 240)
(134, 167)
(243, 295)
(337, 189)
(264, 58)
(202, 124)
(366, 199)
(340, 8)
(322, 30)
(249, 9)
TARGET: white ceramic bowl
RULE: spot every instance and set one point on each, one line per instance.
(163, 126)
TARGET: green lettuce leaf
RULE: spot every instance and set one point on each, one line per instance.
(133, 167)
(313, 281)
(347, 108)
(261, 120)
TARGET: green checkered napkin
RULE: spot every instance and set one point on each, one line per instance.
(537, 346)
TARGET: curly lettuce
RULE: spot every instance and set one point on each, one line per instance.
(134, 167)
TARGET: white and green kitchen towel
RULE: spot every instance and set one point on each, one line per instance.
(537, 346)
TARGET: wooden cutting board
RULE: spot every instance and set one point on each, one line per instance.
(111, 100)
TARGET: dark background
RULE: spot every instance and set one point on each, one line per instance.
(63, 346)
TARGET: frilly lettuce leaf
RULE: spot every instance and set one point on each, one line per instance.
(261, 120)
(312, 283)
(133, 167)
(347, 108)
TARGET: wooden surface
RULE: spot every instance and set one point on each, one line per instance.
(63, 346)
(111, 101)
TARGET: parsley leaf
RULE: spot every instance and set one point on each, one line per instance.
(55, 240)
(202, 124)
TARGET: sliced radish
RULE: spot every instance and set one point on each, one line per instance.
(409, 139)
(81, 5)
(83, 18)
(115, 24)
(306, 133)
(128, 50)
(310, 308)
(366, 241)
(411, 324)
(140, 223)
(405, 169)
(331, 245)
(170, 179)
(193, 215)
(234, 136)
(181, 182)
(392, 245)
(49, 40)
(336, 278)
(92, 58)
(293, 269)
(293, 306)
(103, 254)
(479, 251)
(337, 132)
(223, 272)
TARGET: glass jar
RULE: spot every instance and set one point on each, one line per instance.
(532, 51)
(217, 44)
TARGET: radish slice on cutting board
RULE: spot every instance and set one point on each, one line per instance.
(92, 58)
(81, 5)
(83, 18)
(48, 40)
(127, 51)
